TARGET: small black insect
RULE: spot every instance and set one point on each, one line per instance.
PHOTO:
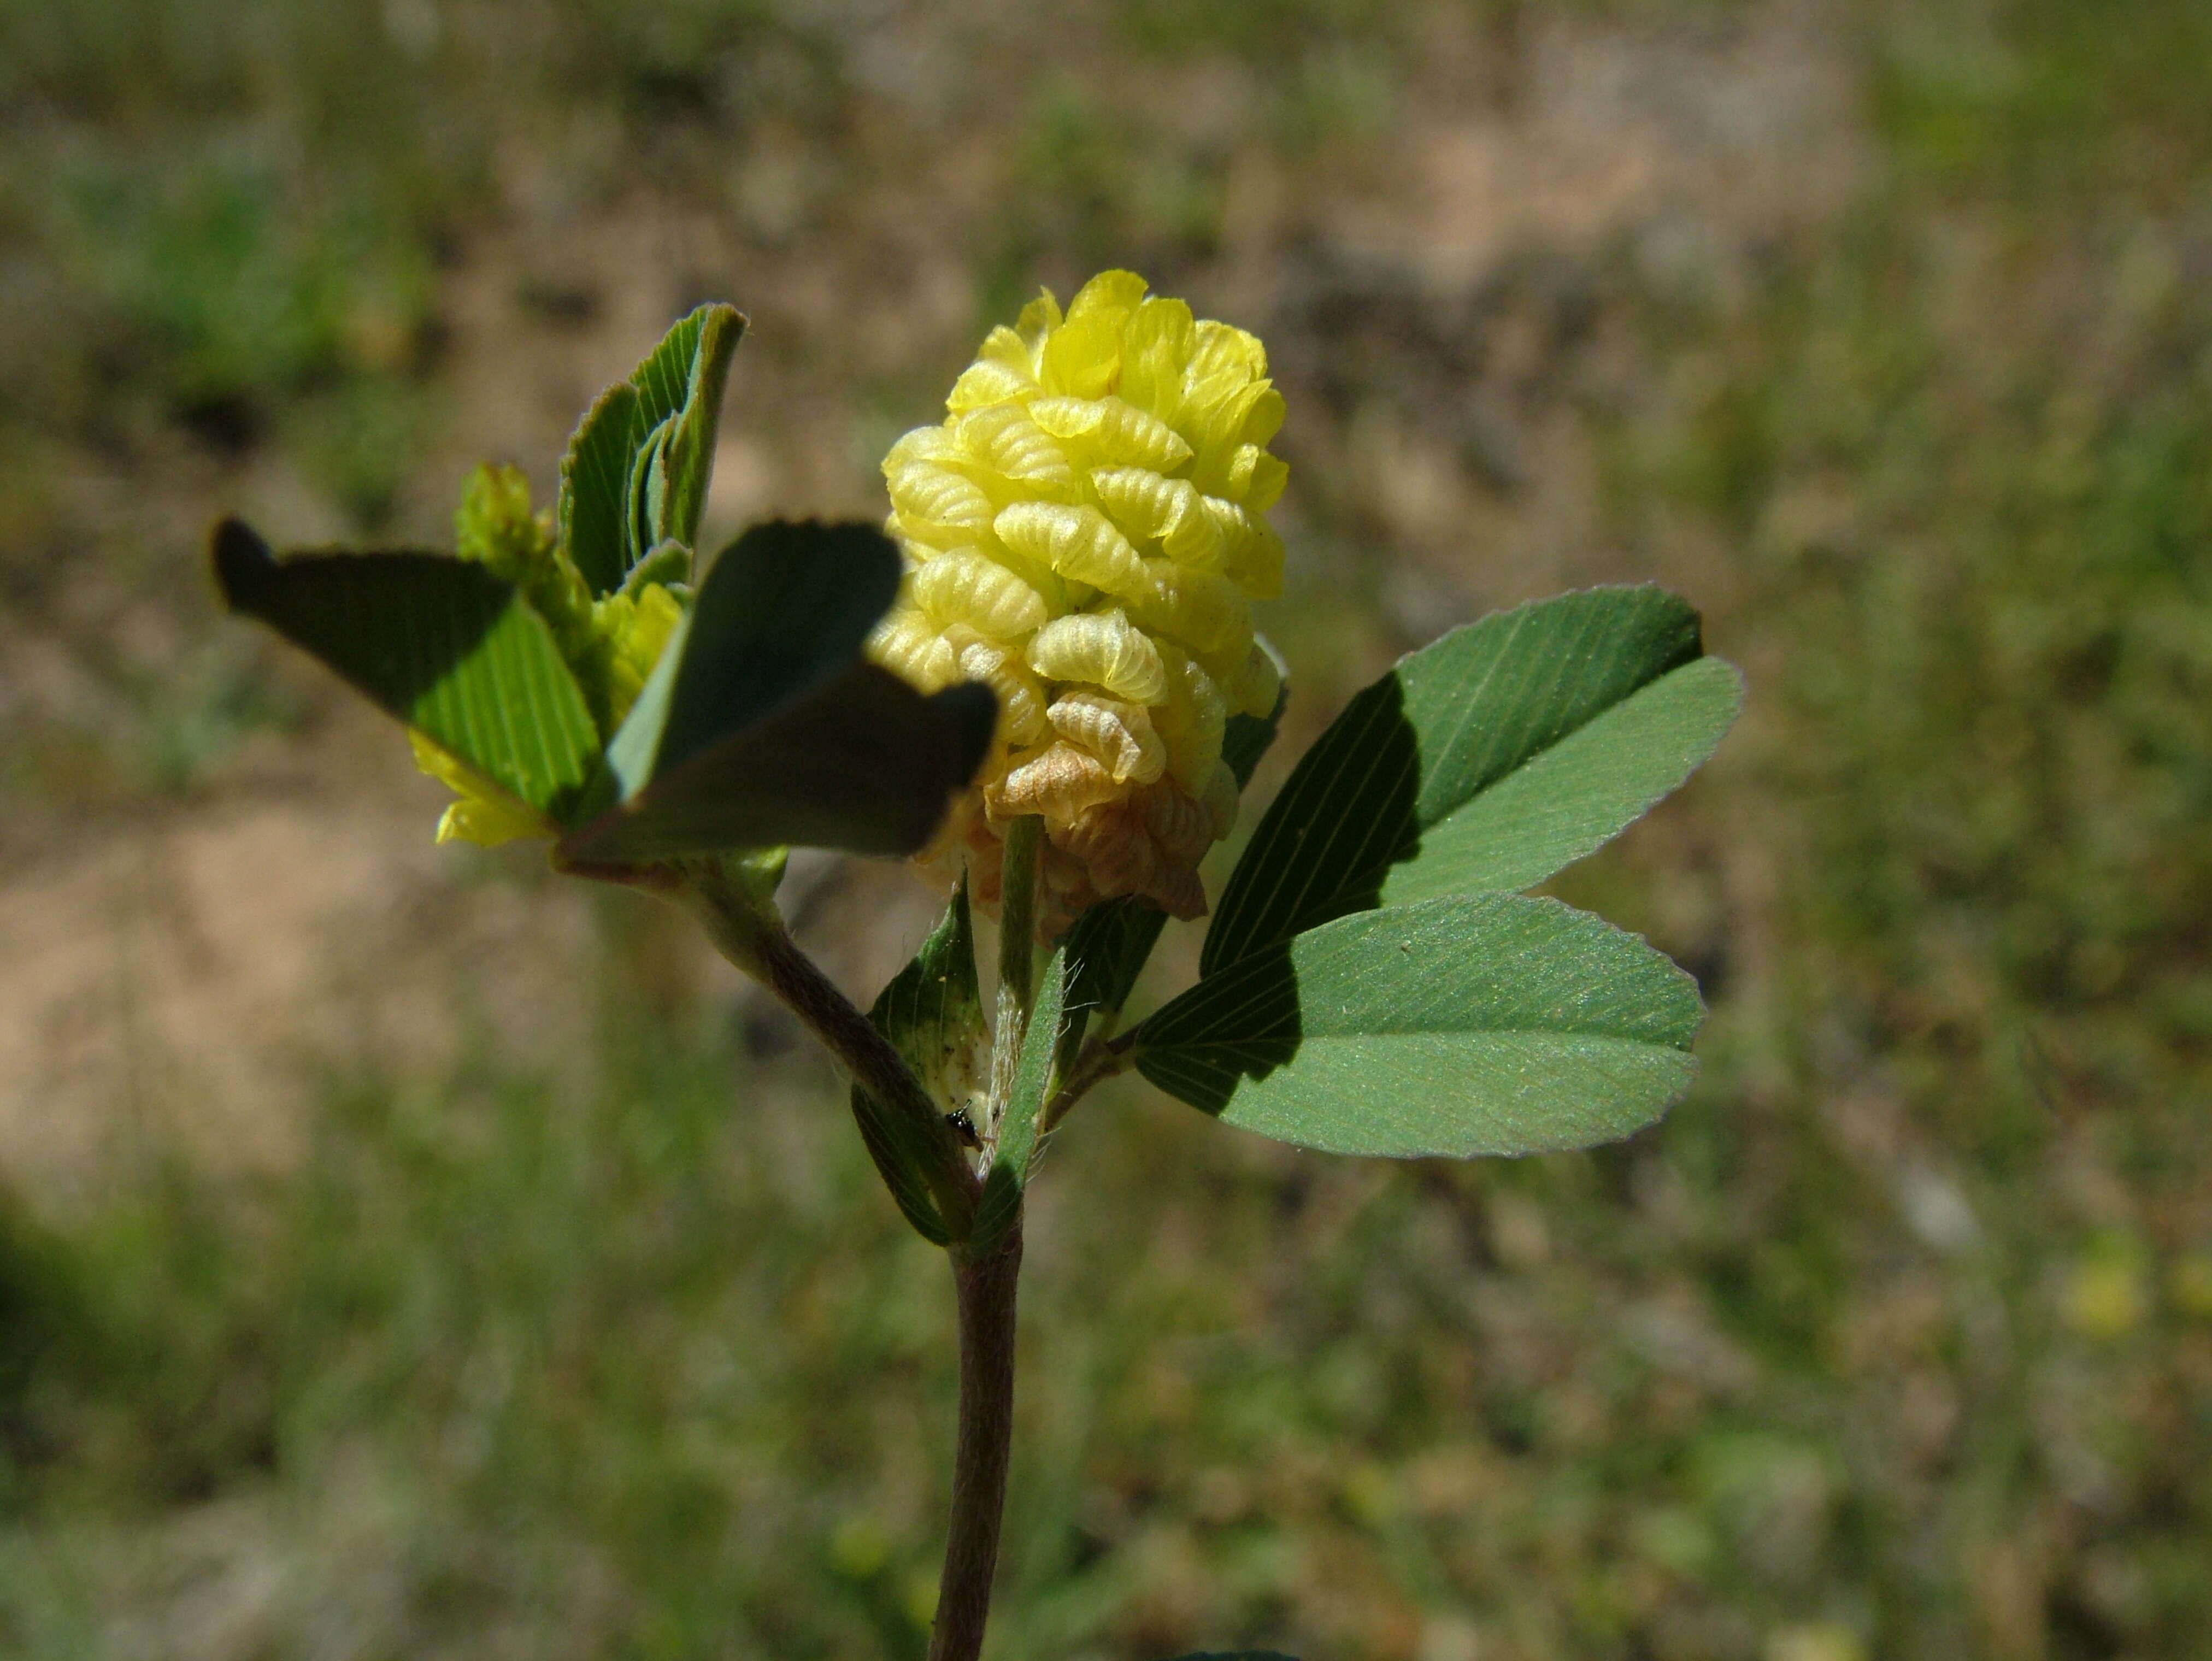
(965, 1128)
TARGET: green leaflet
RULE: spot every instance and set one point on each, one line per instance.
(1487, 1024)
(669, 564)
(933, 1014)
(761, 724)
(638, 466)
(442, 644)
(645, 494)
(674, 376)
(593, 520)
(680, 386)
(1488, 759)
(784, 607)
(1570, 799)
(1015, 1154)
(862, 762)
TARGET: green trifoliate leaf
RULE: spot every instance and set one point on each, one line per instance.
(1013, 1157)
(1487, 759)
(443, 644)
(933, 1014)
(1490, 1024)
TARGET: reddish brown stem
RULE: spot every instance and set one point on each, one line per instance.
(985, 1284)
(753, 938)
(751, 935)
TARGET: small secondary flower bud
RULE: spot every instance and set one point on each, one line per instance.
(611, 644)
(1086, 531)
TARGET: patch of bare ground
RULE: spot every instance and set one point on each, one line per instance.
(177, 980)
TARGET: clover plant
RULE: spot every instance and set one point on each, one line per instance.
(1042, 681)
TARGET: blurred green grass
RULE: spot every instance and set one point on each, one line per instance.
(1895, 1340)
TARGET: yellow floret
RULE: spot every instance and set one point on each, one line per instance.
(911, 645)
(1118, 734)
(1202, 609)
(1081, 543)
(1106, 430)
(1085, 532)
(966, 586)
(634, 629)
(1100, 648)
(1257, 683)
(1152, 507)
(1192, 718)
(1021, 698)
(940, 506)
(481, 812)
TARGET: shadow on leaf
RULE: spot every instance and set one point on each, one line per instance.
(439, 642)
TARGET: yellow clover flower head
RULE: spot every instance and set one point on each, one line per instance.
(1086, 531)
(611, 644)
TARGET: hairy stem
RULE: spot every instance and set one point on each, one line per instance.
(985, 1283)
(1016, 960)
(985, 1280)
